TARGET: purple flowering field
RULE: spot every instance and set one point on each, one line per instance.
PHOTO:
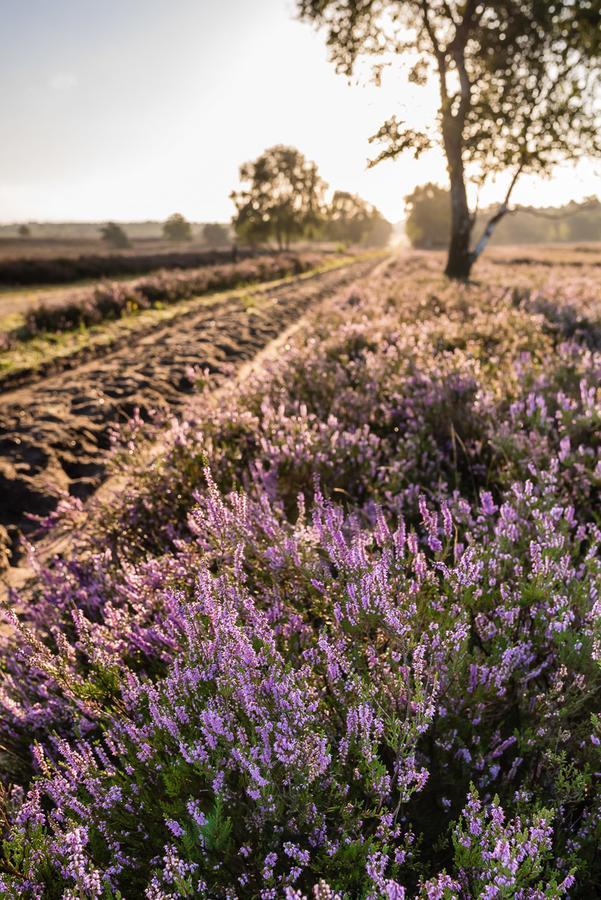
(341, 637)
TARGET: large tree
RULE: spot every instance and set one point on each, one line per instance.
(379, 232)
(519, 86)
(215, 235)
(428, 222)
(281, 197)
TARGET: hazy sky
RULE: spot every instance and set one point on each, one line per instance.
(131, 109)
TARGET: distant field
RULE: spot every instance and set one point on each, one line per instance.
(52, 261)
(60, 268)
(149, 255)
(564, 254)
(549, 254)
(48, 248)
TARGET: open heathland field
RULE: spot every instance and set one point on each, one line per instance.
(58, 413)
(336, 631)
(31, 261)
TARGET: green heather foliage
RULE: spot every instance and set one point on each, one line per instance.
(341, 638)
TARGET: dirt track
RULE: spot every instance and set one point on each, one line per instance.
(54, 434)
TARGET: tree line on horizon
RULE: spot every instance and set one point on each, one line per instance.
(428, 222)
(520, 91)
(282, 198)
(176, 228)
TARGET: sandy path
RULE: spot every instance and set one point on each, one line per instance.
(54, 434)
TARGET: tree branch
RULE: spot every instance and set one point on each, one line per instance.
(457, 50)
(494, 220)
(449, 12)
(438, 51)
(440, 55)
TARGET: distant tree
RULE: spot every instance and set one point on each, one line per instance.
(585, 225)
(518, 83)
(351, 220)
(281, 197)
(347, 218)
(177, 228)
(428, 223)
(114, 235)
(379, 232)
(215, 235)
(24, 231)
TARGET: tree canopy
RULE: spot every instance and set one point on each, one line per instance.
(177, 228)
(348, 218)
(351, 220)
(215, 235)
(281, 198)
(115, 236)
(379, 231)
(519, 86)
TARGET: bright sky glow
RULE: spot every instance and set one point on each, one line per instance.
(131, 109)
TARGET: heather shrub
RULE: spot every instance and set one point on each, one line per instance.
(112, 300)
(379, 410)
(341, 638)
(324, 662)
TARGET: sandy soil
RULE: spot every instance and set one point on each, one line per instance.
(55, 434)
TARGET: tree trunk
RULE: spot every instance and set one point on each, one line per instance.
(459, 260)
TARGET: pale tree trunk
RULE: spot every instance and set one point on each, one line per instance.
(461, 259)
(494, 220)
(488, 231)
